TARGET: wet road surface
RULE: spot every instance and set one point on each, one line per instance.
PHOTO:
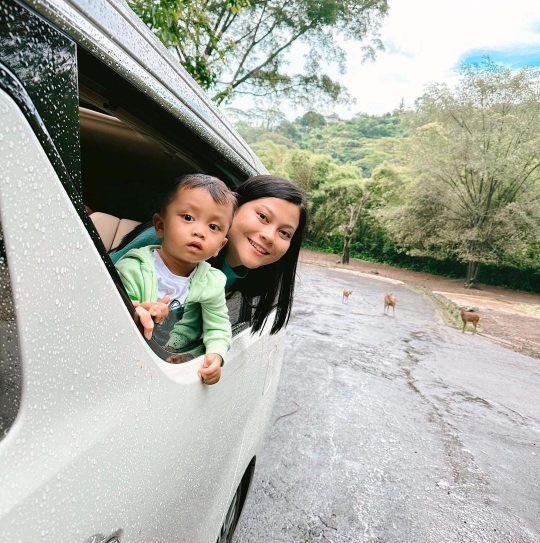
(394, 430)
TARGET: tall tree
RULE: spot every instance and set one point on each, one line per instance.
(240, 46)
(308, 170)
(338, 206)
(476, 155)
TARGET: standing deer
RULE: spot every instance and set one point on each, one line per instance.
(346, 294)
(390, 301)
(469, 316)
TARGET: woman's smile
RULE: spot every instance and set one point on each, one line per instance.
(261, 232)
(258, 248)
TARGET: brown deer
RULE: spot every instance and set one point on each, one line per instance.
(390, 301)
(346, 294)
(469, 316)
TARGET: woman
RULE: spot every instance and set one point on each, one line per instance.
(261, 255)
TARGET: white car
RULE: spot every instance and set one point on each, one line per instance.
(101, 439)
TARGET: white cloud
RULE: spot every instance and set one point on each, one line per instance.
(425, 41)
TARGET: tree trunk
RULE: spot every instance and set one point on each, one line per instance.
(346, 248)
(472, 273)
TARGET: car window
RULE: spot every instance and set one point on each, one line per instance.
(115, 149)
(131, 154)
(10, 367)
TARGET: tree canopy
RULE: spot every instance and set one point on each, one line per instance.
(475, 153)
(240, 46)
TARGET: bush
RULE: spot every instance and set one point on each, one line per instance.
(384, 253)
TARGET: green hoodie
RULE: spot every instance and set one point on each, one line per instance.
(206, 287)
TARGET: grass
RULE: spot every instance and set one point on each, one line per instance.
(530, 309)
(448, 310)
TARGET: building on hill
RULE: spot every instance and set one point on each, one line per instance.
(332, 118)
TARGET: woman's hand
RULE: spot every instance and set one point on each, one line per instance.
(152, 311)
(211, 369)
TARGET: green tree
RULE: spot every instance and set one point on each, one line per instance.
(267, 118)
(240, 46)
(307, 169)
(379, 151)
(338, 205)
(288, 130)
(475, 153)
(311, 119)
(346, 141)
(273, 156)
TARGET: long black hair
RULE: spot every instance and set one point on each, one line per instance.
(273, 284)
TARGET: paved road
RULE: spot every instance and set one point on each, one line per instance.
(395, 430)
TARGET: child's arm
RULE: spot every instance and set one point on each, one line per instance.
(130, 272)
(216, 327)
(217, 335)
(158, 310)
(146, 321)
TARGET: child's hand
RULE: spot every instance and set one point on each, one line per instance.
(150, 311)
(158, 310)
(211, 369)
(145, 319)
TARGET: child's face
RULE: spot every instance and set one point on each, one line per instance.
(193, 229)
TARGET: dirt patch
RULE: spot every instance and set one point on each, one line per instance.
(509, 317)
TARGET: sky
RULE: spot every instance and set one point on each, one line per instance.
(426, 41)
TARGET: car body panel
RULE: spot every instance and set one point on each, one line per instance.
(108, 435)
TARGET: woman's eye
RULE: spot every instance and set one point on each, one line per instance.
(214, 227)
(285, 234)
(262, 216)
(187, 217)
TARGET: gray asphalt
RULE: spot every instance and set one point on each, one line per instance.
(395, 429)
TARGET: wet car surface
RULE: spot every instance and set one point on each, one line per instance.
(395, 429)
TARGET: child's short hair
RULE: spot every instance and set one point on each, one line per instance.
(218, 190)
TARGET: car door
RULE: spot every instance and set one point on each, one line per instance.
(108, 438)
(108, 435)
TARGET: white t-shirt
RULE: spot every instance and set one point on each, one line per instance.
(175, 286)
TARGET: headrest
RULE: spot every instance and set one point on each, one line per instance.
(111, 229)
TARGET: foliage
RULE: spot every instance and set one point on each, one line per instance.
(338, 205)
(240, 46)
(311, 119)
(364, 141)
(376, 152)
(273, 156)
(267, 118)
(465, 154)
(475, 152)
(308, 170)
(304, 168)
(345, 141)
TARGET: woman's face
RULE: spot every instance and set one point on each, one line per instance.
(261, 232)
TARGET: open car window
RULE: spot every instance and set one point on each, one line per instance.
(115, 150)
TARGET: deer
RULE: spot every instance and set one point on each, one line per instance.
(469, 316)
(390, 301)
(346, 294)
